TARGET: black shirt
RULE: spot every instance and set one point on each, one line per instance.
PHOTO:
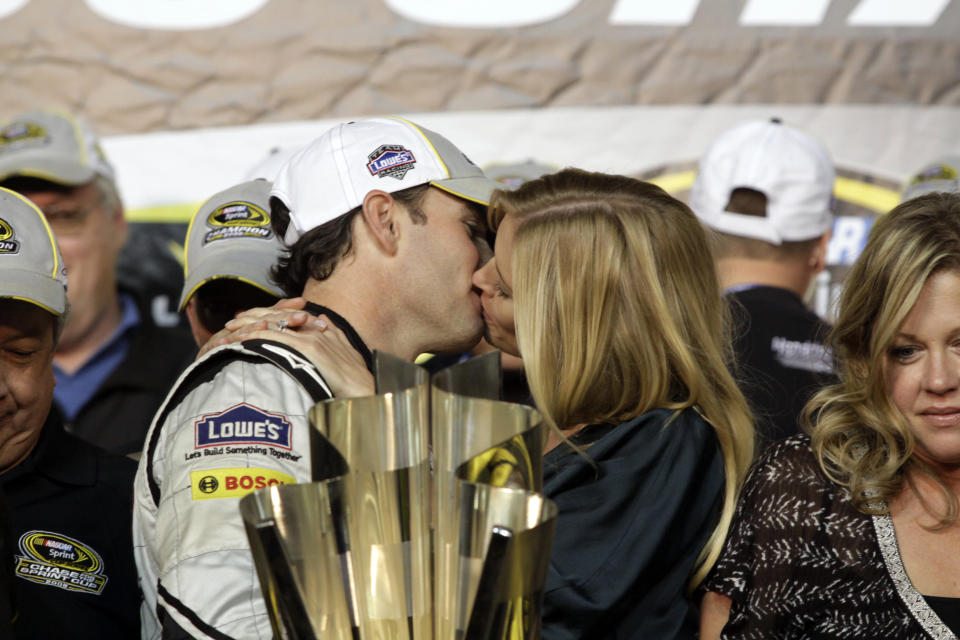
(70, 507)
(781, 360)
(118, 414)
(633, 519)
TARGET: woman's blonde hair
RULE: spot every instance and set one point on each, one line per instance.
(618, 311)
(860, 438)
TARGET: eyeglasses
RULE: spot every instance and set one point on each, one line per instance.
(68, 221)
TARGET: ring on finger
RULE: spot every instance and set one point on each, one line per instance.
(282, 325)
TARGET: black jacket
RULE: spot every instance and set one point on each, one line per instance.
(70, 506)
(118, 414)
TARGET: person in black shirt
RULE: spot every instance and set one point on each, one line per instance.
(767, 190)
(69, 504)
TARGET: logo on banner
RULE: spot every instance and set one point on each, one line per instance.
(242, 424)
(391, 160)
(234, 482)
(22, 134)
(7, 243)
(59, 561)
(238, 220)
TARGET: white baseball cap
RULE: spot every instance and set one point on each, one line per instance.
(31, 268)
(51, 145)
(230, 236)
(940, 175)
(333, 174)
(791, 168)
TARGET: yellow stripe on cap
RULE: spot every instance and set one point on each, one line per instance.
(225, 277)
(457, 194)
(35, 303)
(433, 148)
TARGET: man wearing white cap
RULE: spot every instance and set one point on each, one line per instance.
(113, 366)
(383, 224)
(230, 249)
(69, 502)
(767, 189)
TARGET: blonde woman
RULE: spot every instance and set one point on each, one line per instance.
(853, 532)
(606, 287)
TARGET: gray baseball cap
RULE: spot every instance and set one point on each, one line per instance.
(230, 237)
(940, 175)
(31, 268)
(51, 145)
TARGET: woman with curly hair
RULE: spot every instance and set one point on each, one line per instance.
(853, 531)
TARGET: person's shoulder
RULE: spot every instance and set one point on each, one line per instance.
(112, 469)
(787, 467)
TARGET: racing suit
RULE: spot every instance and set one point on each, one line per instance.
(236, 421)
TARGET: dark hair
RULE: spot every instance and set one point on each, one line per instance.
(316, 253)
(219, 300)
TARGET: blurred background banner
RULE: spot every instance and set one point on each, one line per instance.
(191, 96)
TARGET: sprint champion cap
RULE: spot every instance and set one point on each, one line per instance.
(31, 268)
(791, 168)
(333, 174)
(51, 145)
(230, 237)
(940, 175)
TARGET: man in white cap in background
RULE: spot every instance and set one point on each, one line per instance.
(383, 221)
(69, 502)
(113, 366)
(229, 250)
(767, 190)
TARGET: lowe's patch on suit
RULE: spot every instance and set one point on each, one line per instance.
(57, 560)
(234, 482)
(238, 220)
(243, 424)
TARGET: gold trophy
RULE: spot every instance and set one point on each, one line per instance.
(423, 520)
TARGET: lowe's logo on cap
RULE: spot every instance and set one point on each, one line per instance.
(242, 424)
(7, 243)
(391, 160)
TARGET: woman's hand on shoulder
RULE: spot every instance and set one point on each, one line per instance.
(325, 345)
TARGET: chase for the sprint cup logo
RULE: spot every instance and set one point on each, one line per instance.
(391, 160)
(56, 560)
(238, 220)
(7, 243)
(242, 424)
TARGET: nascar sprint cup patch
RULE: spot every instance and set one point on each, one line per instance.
(59, 561)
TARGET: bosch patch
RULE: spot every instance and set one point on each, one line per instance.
(234, 482)
(391, 160)
(238, 220)
(242, 424)
(7, 243)
(59, 561)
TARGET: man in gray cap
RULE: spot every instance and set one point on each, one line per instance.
(230, 249)
(113, 366)
(69, 502)
(383, 221)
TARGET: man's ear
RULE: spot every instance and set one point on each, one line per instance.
(380, 212)
(818, 257)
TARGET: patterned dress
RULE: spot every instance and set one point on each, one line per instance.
(802, 562)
